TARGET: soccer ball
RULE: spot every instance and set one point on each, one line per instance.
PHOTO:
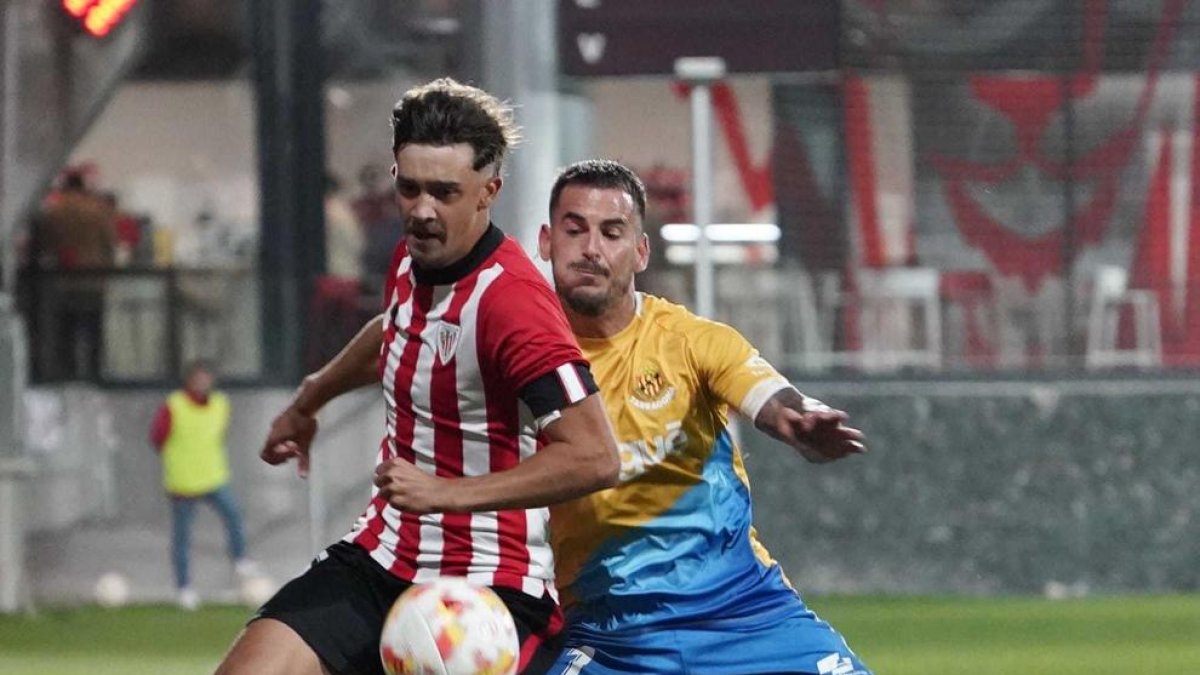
(111, 590)
(255, 590)
(449, 627)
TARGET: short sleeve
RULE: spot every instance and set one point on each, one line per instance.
(731, 368)
(523, 326)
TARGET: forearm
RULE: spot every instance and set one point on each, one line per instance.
(769, 419)
(353, 367)
(772, 420)
(557, 473)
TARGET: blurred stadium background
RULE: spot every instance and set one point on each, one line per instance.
(974, 224)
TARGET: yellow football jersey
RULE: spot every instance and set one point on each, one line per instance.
(674, 538)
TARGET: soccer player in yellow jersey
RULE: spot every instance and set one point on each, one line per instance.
(663, 573)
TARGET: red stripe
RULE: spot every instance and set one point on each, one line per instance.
(448, 439)
(529, 647)
(862, 168)
(409, 531)
(756, 180)
(1188, 351)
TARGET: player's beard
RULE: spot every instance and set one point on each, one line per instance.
(587, 304)
(591, 301)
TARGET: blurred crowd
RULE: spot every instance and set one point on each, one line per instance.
(85, 248)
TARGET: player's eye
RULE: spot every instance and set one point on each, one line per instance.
(408, 190)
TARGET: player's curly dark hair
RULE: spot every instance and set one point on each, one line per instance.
(447, 112)
(601, 173)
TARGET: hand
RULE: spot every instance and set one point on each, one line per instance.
(291, 435)
(820, 434)
(408, 488)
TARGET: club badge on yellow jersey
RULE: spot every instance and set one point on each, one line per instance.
(651, 390)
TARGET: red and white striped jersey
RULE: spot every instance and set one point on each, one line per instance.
(460, 347)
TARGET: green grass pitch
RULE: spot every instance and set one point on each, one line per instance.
(895, 636)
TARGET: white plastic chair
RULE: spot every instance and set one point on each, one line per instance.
(901, 318)
(1110, 293)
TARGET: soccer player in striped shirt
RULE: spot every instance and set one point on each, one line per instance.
(479, 369)
(664, 573)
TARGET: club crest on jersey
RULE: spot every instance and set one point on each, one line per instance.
(447, 341)
(651, 390)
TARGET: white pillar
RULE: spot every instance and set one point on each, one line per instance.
(701, 73)
(520, 64)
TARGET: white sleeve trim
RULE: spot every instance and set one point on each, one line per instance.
(762, 392)
(547, 419)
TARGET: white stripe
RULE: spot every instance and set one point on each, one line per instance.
(580, 657)
(385, 554)
(429, 559)
(472, 399)
(485, 545)
(571, 382)
(537, 588)
(760, 393)
(1180, 217)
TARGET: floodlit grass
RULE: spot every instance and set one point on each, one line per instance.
(995, 636)
(895, 636)
(143, 640)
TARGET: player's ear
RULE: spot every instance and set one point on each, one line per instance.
(491, 189)
(643, 251)
(544, 243)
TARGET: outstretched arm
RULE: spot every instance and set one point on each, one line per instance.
(815, 430)
(581, 457)
(355, 366)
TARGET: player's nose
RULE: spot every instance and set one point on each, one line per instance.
(591, 245)
(423, 208)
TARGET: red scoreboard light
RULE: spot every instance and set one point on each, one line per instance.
(98, 17)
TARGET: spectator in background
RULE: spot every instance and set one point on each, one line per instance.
(335, 313)
(379, 218)
(343, 236)
(127, 231)
(75, 231)
(189, 433)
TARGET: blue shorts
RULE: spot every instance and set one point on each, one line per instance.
(793, 644)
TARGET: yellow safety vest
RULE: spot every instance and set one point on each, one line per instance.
(193, 455)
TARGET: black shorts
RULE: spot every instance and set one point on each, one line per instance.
(339, 604)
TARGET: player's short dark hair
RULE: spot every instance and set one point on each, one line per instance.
(447, 112)
(601, 173)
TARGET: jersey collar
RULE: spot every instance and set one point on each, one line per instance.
(487, 244)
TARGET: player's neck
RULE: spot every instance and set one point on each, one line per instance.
(608, 323)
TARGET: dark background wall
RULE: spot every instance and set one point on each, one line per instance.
(993, 488)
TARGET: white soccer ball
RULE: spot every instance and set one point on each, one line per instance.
(256, 590)
(449, 627)
(111, 590)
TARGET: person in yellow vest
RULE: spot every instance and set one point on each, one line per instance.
(189, 433)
